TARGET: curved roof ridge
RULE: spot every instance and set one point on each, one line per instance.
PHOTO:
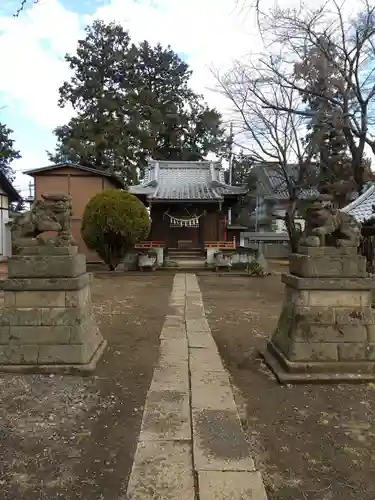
(360, 199)
(362, 207)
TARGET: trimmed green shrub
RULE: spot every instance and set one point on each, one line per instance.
(255, 269)
(113, 222)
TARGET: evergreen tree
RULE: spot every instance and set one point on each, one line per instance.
(243, 175)
(132, 102)
(7, 152)
(323, 93)
(242, 171)
(325, 137)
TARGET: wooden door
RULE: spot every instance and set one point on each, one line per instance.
(184, 237)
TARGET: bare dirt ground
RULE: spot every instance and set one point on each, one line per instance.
(311, 442)
(74, 438)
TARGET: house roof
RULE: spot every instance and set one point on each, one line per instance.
(8, 187)
(271, 182)
(361, 208)
(183, 181)
(101, 173)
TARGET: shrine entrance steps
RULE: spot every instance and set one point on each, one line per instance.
(185, 258)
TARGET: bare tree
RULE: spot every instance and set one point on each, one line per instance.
(329, 59)
(22, 6)
(270, 134)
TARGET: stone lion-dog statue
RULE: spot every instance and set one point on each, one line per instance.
(328, 226)
(52, 212)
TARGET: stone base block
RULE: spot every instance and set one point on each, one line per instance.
(39, 249)
(46, 284)
(327, 266)
(69, 368)
(52, 327)
(326, 326)
(292, 372)
(47, 324)
(328, 251)
(46, 266)
(58, 293)
(328, 292)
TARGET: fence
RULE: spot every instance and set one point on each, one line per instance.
(272, 245)
(221, 244)
(150, 244)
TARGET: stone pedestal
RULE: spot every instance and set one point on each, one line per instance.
(47, 324)
(326, 329)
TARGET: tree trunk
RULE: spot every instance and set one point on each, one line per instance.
(291, 227)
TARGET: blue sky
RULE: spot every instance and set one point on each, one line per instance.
(33, 47)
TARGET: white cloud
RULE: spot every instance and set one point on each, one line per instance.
(33, 72)
(209, 32)
(212, 33)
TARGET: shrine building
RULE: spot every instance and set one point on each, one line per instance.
(189, 203)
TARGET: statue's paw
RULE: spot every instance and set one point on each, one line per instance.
(40, 240)
(318, 231)
(312, 241)
(346, 243)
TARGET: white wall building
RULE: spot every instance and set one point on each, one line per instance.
(8, 195)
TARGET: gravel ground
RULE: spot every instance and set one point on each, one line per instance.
(312, 442)
(74, 438)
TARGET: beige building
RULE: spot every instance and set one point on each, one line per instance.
(82, 183)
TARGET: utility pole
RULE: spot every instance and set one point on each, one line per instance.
(230, 161)
(29, 199)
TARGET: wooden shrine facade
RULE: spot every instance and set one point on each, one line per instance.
(187, 225)
(188, 203)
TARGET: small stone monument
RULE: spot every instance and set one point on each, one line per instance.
(47, 323)
(326, 329)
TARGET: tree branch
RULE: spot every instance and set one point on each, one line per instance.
(22, 7)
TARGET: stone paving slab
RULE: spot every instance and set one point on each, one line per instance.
(211, 390)
(219, 442)
(171, 377)
(166, 416)
(196, 325)
(215, 485)
(173, 332)
(174, 349)
(190, 422)
(162, 470)
(206, 359)
(174, 321)
(201, 340)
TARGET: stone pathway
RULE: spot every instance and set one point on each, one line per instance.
(191, 445)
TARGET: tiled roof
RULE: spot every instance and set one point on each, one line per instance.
(9, 189)
(272, 183)
(101, 173)
(361, 207)
(173, 180)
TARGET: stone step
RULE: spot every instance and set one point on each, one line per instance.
(188, 249)
(184, 253)
(185, 256)
(186, 263)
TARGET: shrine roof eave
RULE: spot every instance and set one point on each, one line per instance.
(198, 201)
(362, 207)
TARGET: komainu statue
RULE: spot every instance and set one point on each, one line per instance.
(52, 212)
(328, 226)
